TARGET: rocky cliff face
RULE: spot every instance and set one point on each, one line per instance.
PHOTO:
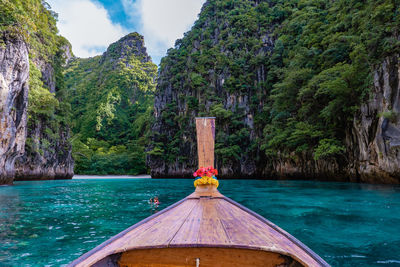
(33, 114)
(48, 156)
(111, 96)
(228, 66)
(48, 152)
(374, 138)
(200, 77)
(372, 142)
(131, 45)
(14, 74)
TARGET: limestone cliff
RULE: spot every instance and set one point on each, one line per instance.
(293, 99)
(48, 152)
(34, 132)
(14, 74)
(218, 69)
(111, 96)
(374, 138)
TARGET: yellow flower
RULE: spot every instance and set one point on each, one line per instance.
(206, 180)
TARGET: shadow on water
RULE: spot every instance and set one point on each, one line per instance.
(53, 222)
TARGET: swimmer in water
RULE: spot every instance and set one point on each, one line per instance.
(156, 202)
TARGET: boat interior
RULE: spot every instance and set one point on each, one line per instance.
(198, 257)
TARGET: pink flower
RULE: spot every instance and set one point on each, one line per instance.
(208, 171)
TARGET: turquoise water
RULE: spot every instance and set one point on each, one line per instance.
(50, 223)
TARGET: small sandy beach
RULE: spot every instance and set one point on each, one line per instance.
(142, 176)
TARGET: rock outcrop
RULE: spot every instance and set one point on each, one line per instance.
(111, 97)
(14, 74)
(186, 90)
(222, 68)
(374, 139)
(34, 135)
(48, 151)
(53, 157)
(130, 45)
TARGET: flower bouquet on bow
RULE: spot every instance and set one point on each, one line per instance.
(206, 176)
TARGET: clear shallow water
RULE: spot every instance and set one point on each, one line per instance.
(50, 223)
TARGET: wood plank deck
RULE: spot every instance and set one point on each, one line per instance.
(205, 219)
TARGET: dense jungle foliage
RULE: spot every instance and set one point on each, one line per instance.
(34, 22)
(112, 102)
(317, 56)
(283, 78)
(321, 70)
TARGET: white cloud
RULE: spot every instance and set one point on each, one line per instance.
(162, 21)
(86, 25)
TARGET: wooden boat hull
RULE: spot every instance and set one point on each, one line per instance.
(204, 229)
(207, 226)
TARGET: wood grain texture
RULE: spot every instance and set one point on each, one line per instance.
(206, 191)
(153, 233)
(207, 219)
(208, 257)
(205, 128)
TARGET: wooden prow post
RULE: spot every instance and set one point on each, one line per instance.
(205, 128)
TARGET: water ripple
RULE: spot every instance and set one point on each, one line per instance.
(50, 223)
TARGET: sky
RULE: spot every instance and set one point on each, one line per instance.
(92, 25)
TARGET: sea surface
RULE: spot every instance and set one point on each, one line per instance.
(50, 223)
